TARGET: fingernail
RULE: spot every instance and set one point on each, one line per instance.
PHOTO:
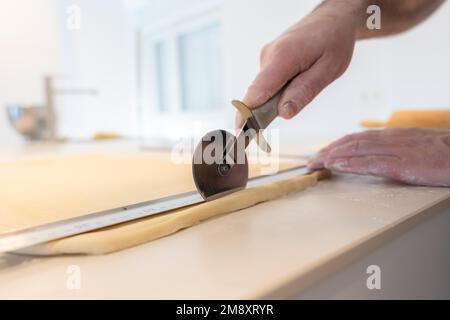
(338, 164)
(314, 164)
(251, 99)
(288, 109)
(260, 99)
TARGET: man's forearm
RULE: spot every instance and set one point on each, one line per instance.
(396, 15)
(399, 15)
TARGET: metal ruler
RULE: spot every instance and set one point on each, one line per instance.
(23, 238)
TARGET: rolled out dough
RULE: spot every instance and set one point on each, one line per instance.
(37, 192)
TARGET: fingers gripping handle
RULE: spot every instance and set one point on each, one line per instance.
(268, 111)
(263, 114)
(260, 117)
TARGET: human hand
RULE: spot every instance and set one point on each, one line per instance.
(312, 53)
(413, 156)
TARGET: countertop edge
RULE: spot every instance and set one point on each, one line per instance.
(346, 256)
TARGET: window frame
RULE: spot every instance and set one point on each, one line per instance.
(176, 121)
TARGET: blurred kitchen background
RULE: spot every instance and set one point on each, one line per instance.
(162, 69)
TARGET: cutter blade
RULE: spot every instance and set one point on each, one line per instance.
(218, 167)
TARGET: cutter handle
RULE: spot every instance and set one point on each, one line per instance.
(263, 114)
(268, 111)
(260, 117)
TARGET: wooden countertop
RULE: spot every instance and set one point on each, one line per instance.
(272, 250)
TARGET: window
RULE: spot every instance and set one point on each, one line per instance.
(187, 70)
(200, 69)
(181, 74)
(162, 75)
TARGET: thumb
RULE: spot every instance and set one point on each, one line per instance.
(303, 89)
(270, 80)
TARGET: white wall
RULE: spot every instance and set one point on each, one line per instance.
(100, 55)
(28, 50)
(35, 41)
(406, 71)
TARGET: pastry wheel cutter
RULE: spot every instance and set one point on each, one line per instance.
(226, 173)
(219, 164)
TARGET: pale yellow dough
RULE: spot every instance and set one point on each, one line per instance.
(42, 191)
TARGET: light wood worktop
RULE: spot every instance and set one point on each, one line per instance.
(274, 249)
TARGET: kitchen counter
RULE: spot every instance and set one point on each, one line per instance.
(278, 249)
